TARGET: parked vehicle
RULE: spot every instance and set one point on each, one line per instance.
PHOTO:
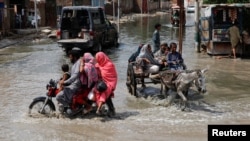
(190, 9)
(175, 16)
(85, 27)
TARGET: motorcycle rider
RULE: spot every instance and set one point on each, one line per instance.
(73, 84)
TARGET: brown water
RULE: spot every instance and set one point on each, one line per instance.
(26, 69)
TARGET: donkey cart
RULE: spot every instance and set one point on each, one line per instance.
(136, 76)
(167, 78)
(179, 81)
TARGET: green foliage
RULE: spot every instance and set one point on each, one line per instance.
(224, 1)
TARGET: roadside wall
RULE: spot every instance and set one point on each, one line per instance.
(126, 7)
(145, 6)
(63, 2)
(166, 5)
(41, 11)
(136, 6)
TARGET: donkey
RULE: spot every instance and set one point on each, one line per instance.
(181, 81)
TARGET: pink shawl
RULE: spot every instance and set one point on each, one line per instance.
(90, 69)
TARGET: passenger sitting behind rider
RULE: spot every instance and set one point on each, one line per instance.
(174, 58)
(108, 74)
(73, 84)
(89, 78)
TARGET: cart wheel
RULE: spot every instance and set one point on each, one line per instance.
(132, 80)
(128, 82)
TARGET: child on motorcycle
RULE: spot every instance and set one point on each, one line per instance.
(66, 75)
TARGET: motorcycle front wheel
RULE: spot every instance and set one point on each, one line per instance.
(36, 108)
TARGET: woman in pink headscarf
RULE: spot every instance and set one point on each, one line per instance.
(108, 74)
(88, 78)
(88, 67)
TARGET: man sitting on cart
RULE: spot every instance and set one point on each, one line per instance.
(174, 59)
(161, 55)
(148, 63)
(132, 58)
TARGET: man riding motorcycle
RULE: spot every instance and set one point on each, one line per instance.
(73, 84)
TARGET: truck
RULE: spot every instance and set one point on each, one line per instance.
(85, 27)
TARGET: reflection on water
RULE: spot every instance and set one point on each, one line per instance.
(25, 71)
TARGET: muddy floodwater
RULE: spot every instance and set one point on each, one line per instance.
(25, 69)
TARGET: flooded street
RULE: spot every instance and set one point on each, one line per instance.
(26, 69)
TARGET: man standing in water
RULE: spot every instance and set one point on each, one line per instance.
(156, 37)
(235, 38)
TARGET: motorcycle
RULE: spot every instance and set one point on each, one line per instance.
(44, 105)
(175, 21)
(175, 16)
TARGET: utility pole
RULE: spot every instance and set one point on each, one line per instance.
(118, 18)
(118, 14)
(148, 6)
(197, 34)
(6, 17)
(141, 6)
(35, 6)
(113, 10)
(180, 3)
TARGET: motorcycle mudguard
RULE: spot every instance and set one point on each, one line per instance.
(39, 98)
(43, 98)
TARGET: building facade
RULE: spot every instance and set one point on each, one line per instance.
(15, 14)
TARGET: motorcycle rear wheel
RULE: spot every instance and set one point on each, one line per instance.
(36, 106)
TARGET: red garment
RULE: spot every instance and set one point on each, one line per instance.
(80, 98)
(108, 74)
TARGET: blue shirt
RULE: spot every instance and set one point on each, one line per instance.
(174, 57)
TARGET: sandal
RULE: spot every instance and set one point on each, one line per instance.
(98, 112)
(87, 110)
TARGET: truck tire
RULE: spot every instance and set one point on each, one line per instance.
(98, 47)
